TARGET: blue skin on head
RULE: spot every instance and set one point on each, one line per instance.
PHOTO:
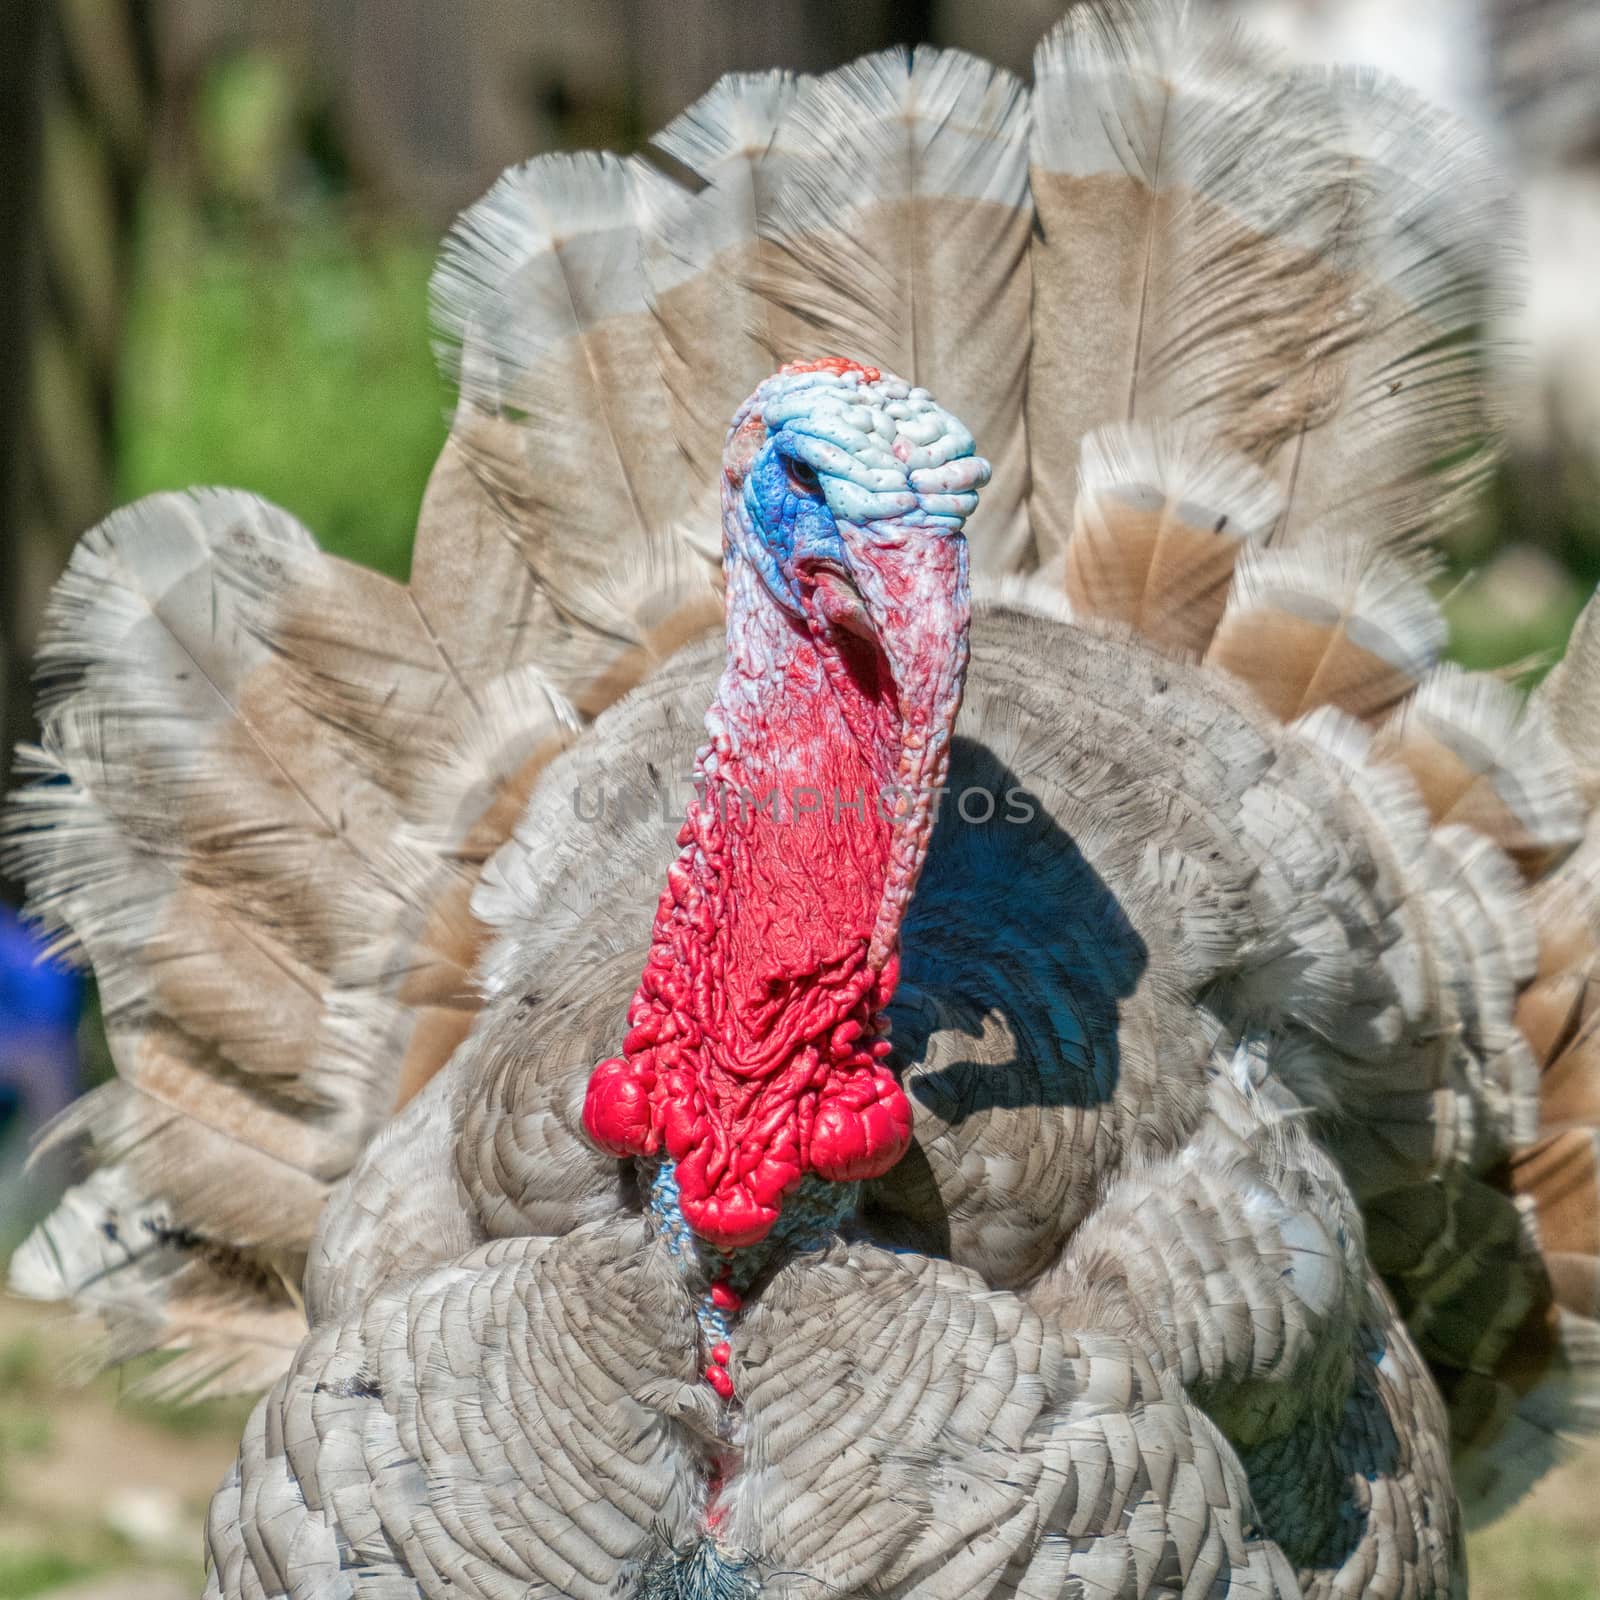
(830, 467)
(793, 522)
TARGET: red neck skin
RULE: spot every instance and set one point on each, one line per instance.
(756, 1036)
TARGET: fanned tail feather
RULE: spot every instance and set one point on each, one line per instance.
(231, 1317)
(705, 260)
(1161, 520)
(1404, 429)
(179, 833)
(541, 298)
(1340, 625)
(1483, 756)
(901, 225)
(1186, 193)
(880, 212)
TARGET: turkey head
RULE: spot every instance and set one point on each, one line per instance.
(754, 1051)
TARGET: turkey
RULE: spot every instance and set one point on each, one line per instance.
(1075, 1076)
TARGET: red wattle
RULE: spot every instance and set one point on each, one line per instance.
(616, 1107)
(729, 1220)
(753, 1049)
(862, 1128)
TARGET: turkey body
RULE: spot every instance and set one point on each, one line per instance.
(953, 1398)
(1185, 1180)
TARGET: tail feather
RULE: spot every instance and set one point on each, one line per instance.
(187, 780)
(156, 939)
(212, 827)
(222, 1167)
(541, 295)
(1185, 194)
(1569, 1091)
(1403, 431)
(235, 1317)
(1484, 757)
(454, 757)
(1559, 1175)
(1161, 519)
(1559, 1012)
(1305, 262)
(1341, 624)
(706, 260)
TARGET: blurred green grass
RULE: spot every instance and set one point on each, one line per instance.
(96, 1486)
(290, 360)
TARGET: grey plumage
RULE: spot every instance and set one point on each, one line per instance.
(1248, 1032)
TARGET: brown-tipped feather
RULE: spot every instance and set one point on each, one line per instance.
(1559, 1012)
(1483, 758)
(1560, 1176)
(1126, 543)
(1337, 626)
(1161, 517)
(1569, 1089)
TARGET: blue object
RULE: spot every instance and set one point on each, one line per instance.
(40, 1002)
(33, 990)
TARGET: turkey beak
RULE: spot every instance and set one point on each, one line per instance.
(832, 594)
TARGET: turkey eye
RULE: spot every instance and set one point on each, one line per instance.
(802, 475)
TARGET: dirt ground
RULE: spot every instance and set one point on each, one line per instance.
(102, 1497)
